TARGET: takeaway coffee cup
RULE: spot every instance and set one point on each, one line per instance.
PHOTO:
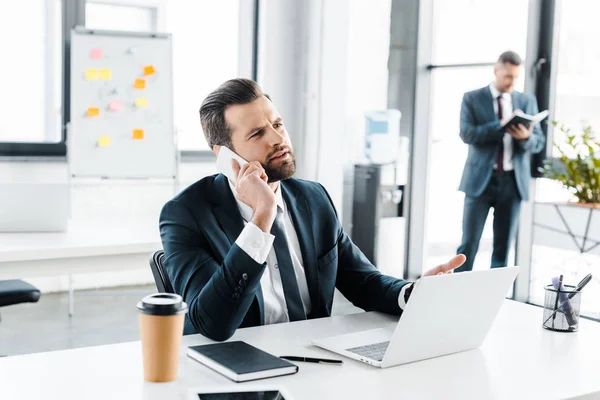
(161, 328)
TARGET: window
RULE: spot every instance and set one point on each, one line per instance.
(205, 49)
(576, 104)
(31, 72)
(577, 90)
(454, 42)
(205, 54)
(120, 17)
(477, 31)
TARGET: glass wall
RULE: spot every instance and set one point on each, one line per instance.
(576, 103)
(31, 101)
(463, 33)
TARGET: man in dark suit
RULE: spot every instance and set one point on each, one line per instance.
(265, 248)
(497, 171)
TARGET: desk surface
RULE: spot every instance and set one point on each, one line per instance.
(519, 360)
(83, 239)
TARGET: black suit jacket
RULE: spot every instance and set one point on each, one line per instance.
(221, 283)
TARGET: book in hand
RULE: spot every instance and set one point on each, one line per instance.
(240, 361)
(519, 117)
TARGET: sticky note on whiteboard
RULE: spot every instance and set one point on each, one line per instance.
(141, 102)
(96, 54)
(138, 134)
(91, 74)
(92, 112)
(104, 141)
(139, 83)
(105, 74)
(115, 105)
(149, 70)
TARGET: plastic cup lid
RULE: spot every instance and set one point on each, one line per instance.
(162, 304)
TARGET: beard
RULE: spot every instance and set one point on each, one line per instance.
(283, 170)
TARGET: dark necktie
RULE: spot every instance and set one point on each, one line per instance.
(286, 269)
(500, 158)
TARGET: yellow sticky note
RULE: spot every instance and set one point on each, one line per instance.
(103, 141)
(139, 83)
(91, 74)
(141, 102)
(138, 134)
(149, 70)
(105, 74)
(92, 112)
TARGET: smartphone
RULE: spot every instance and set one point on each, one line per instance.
(224, 162)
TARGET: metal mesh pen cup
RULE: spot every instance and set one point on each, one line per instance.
(561, 309)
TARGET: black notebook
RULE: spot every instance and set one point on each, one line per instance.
(519, 117)
(241, 362)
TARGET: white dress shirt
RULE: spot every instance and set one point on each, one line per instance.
(507, 110)
(259, 246)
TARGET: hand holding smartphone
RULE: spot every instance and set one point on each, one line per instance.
(224, 162)
(256, 194)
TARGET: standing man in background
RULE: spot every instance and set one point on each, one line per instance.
(497, 170)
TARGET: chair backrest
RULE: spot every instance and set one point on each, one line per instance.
(160, 276)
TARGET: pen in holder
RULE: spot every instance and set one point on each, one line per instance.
(561, 307)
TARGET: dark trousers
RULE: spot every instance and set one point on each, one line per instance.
(501, 194)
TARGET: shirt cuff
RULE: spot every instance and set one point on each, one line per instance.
(256, 243)
(402, 297)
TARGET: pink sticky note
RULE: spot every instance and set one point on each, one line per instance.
(115, 105)
(96, 54)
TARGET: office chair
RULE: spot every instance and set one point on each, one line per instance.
(16, 292)
(160, 276)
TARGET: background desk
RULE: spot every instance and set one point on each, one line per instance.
(87, 247)
(519, 360)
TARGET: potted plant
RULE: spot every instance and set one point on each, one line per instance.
(575, 224)
(579, 168)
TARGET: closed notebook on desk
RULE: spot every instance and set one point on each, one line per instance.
(241, 362)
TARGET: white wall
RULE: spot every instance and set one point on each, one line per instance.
(105, 200)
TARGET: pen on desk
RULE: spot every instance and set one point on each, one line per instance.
(312, 360)
(560, 281)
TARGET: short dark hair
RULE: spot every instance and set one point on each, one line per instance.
(212, 110)
(510, 57)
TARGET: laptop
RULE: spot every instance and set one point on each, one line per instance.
(445, 314)
(34, 207)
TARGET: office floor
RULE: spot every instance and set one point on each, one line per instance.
(102, 316)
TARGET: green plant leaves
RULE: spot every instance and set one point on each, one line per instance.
(579, 169)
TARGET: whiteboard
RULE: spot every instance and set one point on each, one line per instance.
(121, 105)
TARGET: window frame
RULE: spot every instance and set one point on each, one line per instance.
(48, 149)
(73, 14)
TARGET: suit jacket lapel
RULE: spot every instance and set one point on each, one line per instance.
(516, 103)
(488, 104)
(226, 211)
(301, 217)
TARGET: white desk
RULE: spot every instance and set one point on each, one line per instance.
(87, 247)
(519, 360)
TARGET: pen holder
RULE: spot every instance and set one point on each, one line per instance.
(561, 309)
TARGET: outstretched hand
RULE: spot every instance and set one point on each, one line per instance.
(447, 268)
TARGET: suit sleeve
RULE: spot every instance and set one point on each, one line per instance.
(218, 295)
(471, 132)
(536, 141)
(359, 281)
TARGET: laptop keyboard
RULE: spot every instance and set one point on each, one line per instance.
(373, 351)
